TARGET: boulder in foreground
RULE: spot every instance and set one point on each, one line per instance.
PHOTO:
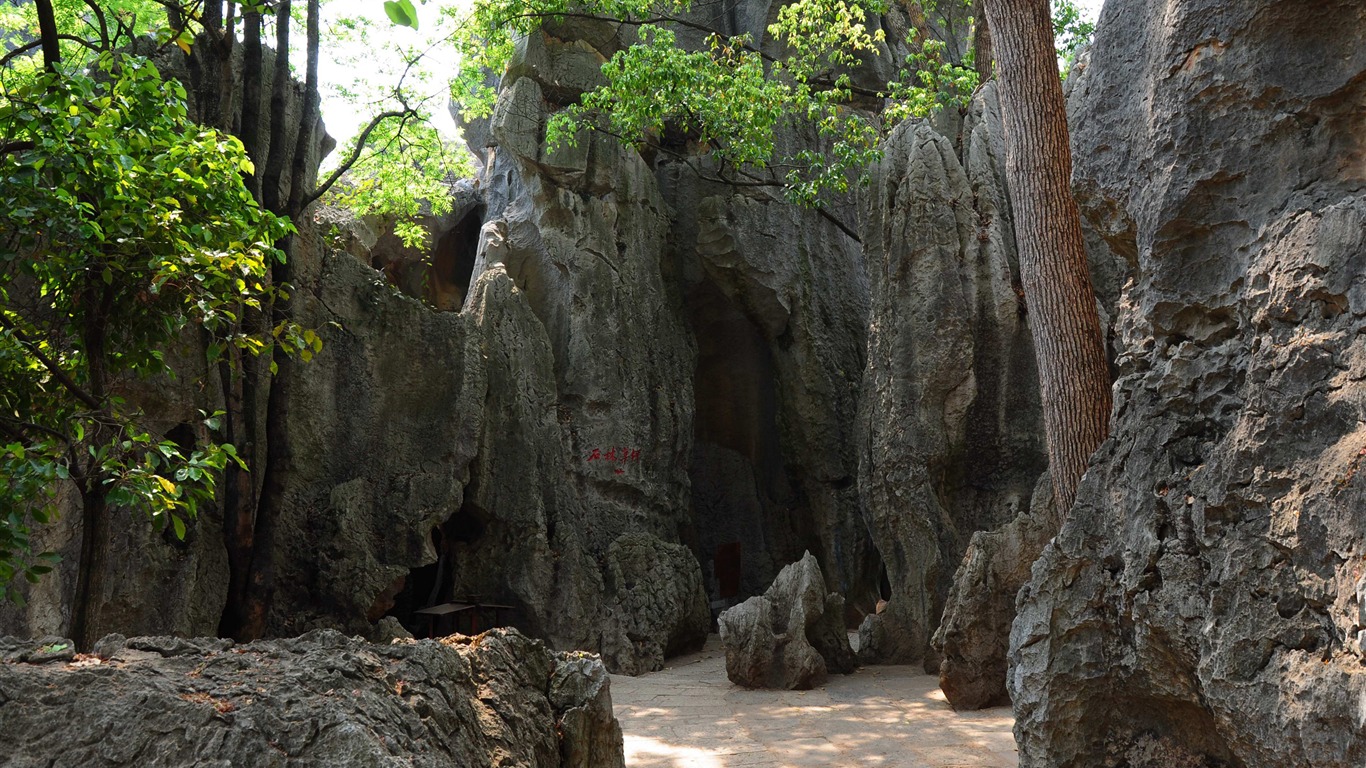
(322, 699)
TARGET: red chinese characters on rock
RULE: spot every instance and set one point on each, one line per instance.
(615, 455)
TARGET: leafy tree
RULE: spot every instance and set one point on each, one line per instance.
(1071, 32)
(400, 167)
(126, 228)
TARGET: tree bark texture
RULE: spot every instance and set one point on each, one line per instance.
(276, 159)
(47, 31)
(981, 42)
(1074, 379)
(90, 571)
(298, 195)
(250, 132)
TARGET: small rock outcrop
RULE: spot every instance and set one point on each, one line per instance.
(790, 637)
(1203, 598)
(974, 635)
(321, 699)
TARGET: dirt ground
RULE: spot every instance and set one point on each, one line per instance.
(689, 715)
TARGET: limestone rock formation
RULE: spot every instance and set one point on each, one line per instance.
(971, 642)
(1204, 596)
(669, 363)
(382, 425)
(658, 608)
(791, 636)
(618, 388)
(437, 271)
(321, 699)
(579, 487)
(950, 436)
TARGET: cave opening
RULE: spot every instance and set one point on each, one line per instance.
(748, 515)
(425, 586)
(439, 275)
(452, 262)
(435, 584)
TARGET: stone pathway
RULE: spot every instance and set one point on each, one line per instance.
(689, 715)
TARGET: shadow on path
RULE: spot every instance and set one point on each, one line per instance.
(689, 715)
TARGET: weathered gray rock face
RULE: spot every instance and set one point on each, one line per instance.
(579, 489)
(791, 636)
(657, 607)
(382, 426)
(321, 699)
(670, 362)
(949, 417)
(439, 270)
(1204, 594)
(974, 634)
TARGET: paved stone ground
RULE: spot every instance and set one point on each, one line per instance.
(689, 715)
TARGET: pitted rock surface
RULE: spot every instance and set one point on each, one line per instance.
(321, 699)
(1203, 596)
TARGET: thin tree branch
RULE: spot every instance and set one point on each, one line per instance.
(355, 153)
(15, 146)
(11, 431)
(14, 427)
(56, 370)
(99, 16)
(23, 49)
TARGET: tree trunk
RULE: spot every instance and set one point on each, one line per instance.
(302, 144)
(47, 33)
(277, 158)
(239, 488)
(1074, 379)
(212, 18)
(90, 569)
(224, 114)
(981, 42)
(250, 132)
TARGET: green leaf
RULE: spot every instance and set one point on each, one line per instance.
(179, 526)
(401, 12)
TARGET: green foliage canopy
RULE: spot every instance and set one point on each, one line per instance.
(401, 166)
(731, 96)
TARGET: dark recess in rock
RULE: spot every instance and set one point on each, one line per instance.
(741, 490)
